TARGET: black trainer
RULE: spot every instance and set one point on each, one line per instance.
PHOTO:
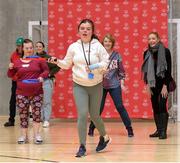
(9, 124)
(91, 132)
(155, 134)
(102, 144)
(81, 152)
(130, 132)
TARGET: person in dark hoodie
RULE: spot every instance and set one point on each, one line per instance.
(17, 54)
(47, 84)
(113, 83)
(156, 69)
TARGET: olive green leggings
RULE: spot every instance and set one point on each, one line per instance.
(88, 99)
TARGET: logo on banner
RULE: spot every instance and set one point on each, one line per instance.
(126, 26)
(79, 8)
(145, 103)
(116, 20)
(61, 96)
(116, 7)
(135, 83)
(135, 7)
(60, 8)
(144, 13)
(135, 109)
(126, 14)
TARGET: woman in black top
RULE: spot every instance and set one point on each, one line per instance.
(157, 75)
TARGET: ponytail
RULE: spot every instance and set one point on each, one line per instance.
(94, 36)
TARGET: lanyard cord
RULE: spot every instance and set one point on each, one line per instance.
(111, 59)
(88, 63)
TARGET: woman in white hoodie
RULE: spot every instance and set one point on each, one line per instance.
(88, 59)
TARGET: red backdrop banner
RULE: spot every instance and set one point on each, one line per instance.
(129, 21)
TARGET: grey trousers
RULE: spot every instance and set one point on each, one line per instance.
(88, 100)
(47, 99)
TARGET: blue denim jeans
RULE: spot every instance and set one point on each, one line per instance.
(116, 95)
(47, 99)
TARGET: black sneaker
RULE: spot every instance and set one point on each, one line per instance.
(102, 144)
(91, 132)
(9, 124)
(155, 134)
(130, 132)
(81, 152)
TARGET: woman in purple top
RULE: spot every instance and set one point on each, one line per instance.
(113, 81)
(30, 72)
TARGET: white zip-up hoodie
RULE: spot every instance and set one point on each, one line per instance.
(75, 58)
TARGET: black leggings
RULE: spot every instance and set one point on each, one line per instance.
(159, 103)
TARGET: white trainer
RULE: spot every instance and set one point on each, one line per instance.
(38, 140)
(22, 140)
(46, 124)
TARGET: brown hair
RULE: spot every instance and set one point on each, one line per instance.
(110, 37)
(40, 42)
(156, 34)
(92, 25)
(25, 42)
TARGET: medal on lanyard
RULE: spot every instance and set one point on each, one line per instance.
(90, 74)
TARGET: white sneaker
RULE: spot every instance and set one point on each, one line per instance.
(22, 140)
(46, 124)
(38, 139)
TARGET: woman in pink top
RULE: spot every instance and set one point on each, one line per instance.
(30, 72)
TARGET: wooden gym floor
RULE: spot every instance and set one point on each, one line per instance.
(61, 144)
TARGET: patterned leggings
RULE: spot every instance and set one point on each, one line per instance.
(23, 103)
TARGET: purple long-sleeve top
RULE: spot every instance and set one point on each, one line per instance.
(32, 70)
(115, 72)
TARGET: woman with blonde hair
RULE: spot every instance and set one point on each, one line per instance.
(113, 83)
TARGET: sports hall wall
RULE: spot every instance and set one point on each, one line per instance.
(129, 21)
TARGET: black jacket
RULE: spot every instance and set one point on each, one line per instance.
(166, 80)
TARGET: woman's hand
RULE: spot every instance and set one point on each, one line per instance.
(164, 91)
(123, 87)
(40, 79)
(149, 91)
(11, 65)
(53, 60)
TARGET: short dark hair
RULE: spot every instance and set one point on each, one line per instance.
(27, 41)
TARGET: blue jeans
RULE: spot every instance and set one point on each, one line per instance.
(116, 95)
(47, 99)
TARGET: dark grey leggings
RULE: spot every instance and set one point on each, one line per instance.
(88, 99)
